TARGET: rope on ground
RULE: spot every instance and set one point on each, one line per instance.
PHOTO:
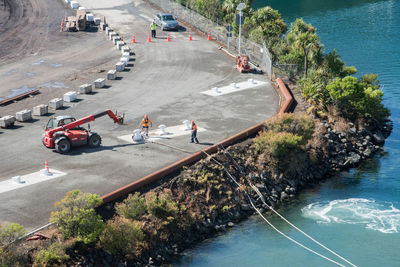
(258, 211)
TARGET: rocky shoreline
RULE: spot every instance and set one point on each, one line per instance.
(343, 150)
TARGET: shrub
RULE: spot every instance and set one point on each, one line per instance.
(277, 144)
(300, 125)
(52, 256)
(76, 216)
(10, 232)
(8, 258)
(121, 236)
(132, 207)
(162, 206)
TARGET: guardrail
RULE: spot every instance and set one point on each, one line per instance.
(155, 176)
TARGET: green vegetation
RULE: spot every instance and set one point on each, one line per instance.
(122, 236)
(10, 232)
(52, 256)
(132, 207)
(75, 216)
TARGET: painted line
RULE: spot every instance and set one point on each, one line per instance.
(251, 84)
(154, 135)
(29, 179)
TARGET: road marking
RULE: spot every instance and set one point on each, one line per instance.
(29, 179)
(154, 135)
(250, 84)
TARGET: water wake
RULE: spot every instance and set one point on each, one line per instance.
(382, 216)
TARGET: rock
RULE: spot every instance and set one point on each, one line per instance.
(230, 224)
(378, 137)
(284, 196)
(353, 158)
(260, 186)
(343, 140)
(245, 207)
(352, 130)
(367, 152)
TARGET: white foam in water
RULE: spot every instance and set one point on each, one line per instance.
(382, 216)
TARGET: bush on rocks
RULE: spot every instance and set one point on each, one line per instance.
(76, 216)
(54, 255)
(132, 207)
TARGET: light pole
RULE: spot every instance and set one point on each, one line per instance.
(240, 7)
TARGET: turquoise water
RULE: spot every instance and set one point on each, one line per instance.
(358, 213)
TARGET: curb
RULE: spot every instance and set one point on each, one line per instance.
(198, 155)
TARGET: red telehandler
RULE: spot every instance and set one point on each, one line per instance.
(64, 132)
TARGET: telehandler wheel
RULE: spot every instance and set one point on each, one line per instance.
(63, 146)
(94, 140)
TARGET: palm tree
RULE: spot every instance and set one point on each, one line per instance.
(229, 6)
(308, 42)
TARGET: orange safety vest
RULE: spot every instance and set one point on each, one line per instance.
(194, 127)
(145, 122)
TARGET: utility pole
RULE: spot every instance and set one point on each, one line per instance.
(240, 7)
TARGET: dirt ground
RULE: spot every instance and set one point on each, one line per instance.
(35, 54)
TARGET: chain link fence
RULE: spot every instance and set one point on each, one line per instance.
(259, 55)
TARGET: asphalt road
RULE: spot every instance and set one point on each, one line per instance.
(164, 80)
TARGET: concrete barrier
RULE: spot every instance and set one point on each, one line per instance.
(56, 103)
(126, 55)
(115, 39)
(23, 115)
(70, 96)
(74, 4)
(112, 35)
(109, 30)
(7, 121)
(40, 110)
(198, 155)
(119, 66)
(85, 88)
(111, 75)
(100, 83)
(125, 49)
(120, 44)
(124, 60)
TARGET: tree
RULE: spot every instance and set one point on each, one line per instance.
(10, 232)
(302, 36)
(76, 216)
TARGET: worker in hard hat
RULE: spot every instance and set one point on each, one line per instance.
(145, 123)
(153, 27)
(194, 133)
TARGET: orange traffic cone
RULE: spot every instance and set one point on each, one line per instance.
(209, 36)
(149, 40)
(46, 169)
(168, 38)
(133, 39)
(190, 36)
(62, 26)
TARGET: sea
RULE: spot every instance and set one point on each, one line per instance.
(357, 213)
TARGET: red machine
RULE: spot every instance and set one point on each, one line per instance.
(242, 63)
(64, 132)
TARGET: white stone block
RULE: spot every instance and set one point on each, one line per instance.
(115, 39)
(89, 17)
(109, 30)
(97, 21)
(111, 74)
(70, 96)
(23, 115)
(100, 83)
(119, 66)
(7, 121)
(126, 55)
(74, 4)
(120, 44)
(56, 103)
(85, 88)
(112, 34)
(124, 60)
(125, 49)
(40, 110)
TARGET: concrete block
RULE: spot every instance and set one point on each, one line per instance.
(40, 110)
(70, 96)
(112, 34)
(108, 30)
(120, 44)
(56, 103)
(23, 115)
(124, 60)
(89, 17)
(125, 49)
(127, 55)
(74, 4)
(100, 83)
(115, 39)
(111, 75)
(85, 88)
(7, 121)
(97, 21)
(119, 66)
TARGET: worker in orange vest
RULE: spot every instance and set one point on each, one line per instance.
(145, 124)
(194, 133)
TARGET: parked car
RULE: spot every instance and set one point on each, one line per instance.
(166, 21)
